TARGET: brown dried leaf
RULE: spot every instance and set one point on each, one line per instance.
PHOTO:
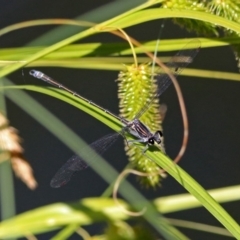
(24, 171)
(11, 149)
(9, 140)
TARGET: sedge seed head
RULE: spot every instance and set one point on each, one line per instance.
(136, 88)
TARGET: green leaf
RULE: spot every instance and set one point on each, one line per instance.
(153, 14)
(197, 191)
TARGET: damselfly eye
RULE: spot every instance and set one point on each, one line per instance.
(151, 141)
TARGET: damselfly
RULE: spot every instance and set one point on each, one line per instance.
(135, 127)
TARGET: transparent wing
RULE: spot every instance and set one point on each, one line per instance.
(76, 163)
(176, 65)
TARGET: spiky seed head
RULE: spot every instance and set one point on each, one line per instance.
(136, 88)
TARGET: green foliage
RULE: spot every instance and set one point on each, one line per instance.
(228, 9)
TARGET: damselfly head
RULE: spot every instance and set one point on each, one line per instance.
(36, 74)
(158, 137)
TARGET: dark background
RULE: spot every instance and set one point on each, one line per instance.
(212, 156)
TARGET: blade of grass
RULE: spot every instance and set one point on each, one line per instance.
(7, 195)
(106, 49)
(181, 202)
(200, 227)
(111, 65)
(66, 232)
(96, 15)
(176, 44)
(156, 13)
(218, 75)
(197, 191)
